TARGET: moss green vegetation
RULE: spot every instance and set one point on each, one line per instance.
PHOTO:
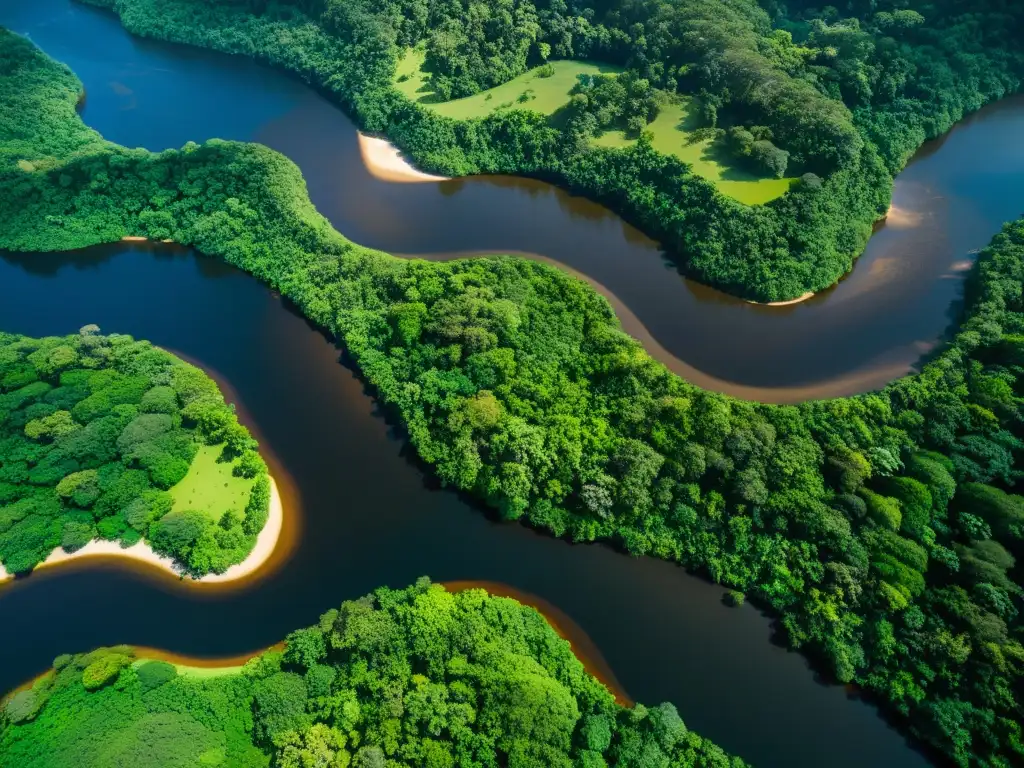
(411, 678)
(840, 98)
(548, 88)
(883, 530)
(544, 89)
(106, 437)
(212, 486)
(187, 670)
(672, 133)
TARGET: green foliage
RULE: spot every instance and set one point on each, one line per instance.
(85, 446)
(414, 677)
(153, 674)
(845, 100)
(103, 669)
(517, 385)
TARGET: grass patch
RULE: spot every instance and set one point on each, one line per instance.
(209, 485)
(671, 131)
(202, 673)
(547, 94)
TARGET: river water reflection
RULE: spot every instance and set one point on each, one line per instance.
(872, 327)
(370, 516)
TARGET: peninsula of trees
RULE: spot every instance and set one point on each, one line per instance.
(104, 437)
(414, 678)
(881, 529)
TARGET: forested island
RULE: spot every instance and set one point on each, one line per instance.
(415, 677)
(882, 529)
(834, 98)
(108, 438)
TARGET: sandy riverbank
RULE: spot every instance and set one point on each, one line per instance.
(797, 300)
(385, 162)
(901, 218)
(266, 542)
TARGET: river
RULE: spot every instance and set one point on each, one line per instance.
(370, 516)
(872, 327)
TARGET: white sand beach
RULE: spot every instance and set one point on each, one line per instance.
(385, 162)
(797, 300)
(266, 542)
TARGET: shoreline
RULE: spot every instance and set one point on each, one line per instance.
(385, 162)
(266, 544)
(871, 377)
(786, 303)
(583, 648)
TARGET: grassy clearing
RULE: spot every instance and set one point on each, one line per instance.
(210, 486)
(549, 94)
(671, 128)
(207, 672)
(671, 131)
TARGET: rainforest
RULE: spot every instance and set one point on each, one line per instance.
(881, 531)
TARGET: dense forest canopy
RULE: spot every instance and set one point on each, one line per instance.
(95, 433)
(417, 678)
(839, 96)
(883, 529)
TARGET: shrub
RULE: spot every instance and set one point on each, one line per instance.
(103, 670)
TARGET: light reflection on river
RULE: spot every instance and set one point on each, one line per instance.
(371, 516)
(870, 328)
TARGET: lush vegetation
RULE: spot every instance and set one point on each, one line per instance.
(103, 437)
(839, 99)
(673, 132)
(568, 90)
(544, 89)
(418, 677)
(881, 529)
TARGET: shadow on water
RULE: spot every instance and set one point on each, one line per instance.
(370, 516)
(856, 336)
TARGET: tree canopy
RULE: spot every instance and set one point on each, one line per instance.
(839, 95)
(95, 432)
(419, 677)
(882, 529)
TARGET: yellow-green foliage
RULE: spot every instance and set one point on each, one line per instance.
(103, 669)
(94, 430)
(545, 95)
(671, 134)
(211, 487)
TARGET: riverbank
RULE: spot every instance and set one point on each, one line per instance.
(385, 162)
(564, 626)
(786, 303)
(266, 543)
(207, 665)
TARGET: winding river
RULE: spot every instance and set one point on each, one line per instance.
(369, 515)
(872, 327)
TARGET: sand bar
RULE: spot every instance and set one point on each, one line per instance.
(385, 162)
(786, 303)
(266, 542)
(901, 218)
